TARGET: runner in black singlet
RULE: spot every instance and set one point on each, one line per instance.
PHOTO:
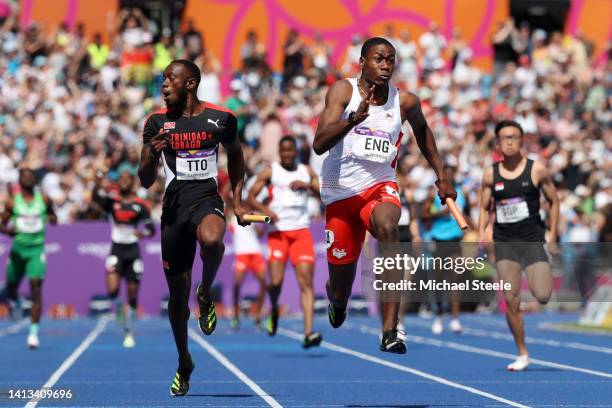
(186, 137)
(127, 212)
(514, 185)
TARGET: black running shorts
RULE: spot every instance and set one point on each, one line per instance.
(179, 223)
(526, 249)
(124, 259)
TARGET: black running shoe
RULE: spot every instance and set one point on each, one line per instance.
(180, 383)
(272, 324)
(336, 314)
(208, 316)
(312, 340)
(392, 344)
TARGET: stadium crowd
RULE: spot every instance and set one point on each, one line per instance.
(72, 105)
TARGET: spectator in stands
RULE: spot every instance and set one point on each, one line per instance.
(293, 60)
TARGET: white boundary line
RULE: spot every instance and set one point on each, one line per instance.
(380, 361)
(14, 328)
(233, 369)
(528, 339)
(484, 351)
(72, 358)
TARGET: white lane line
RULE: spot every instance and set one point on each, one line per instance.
(484, 351)
(14, 328)
(72, 358)
(330, 346)
(233, 369)
(530, 340)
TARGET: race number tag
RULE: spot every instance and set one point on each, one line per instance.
(373, 148)
(292, 198)
(512, 210)
(196, 164)
(123, 234)
(29, 224)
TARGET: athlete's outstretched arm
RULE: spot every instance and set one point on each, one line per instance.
(411, 111)
(550, 193)
(262, 180)
(51, 216)
(5, 217)
(147, 221)
(331, 127)
(315, 188)
(98, 194)
(235, 168)
(485, 203)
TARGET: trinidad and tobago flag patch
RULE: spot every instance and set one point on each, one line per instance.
(169, 125)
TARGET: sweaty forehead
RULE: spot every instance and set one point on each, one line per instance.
(175, 69)
(382, 50)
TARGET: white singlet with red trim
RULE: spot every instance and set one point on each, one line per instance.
(245, 239)
(367, 154)
(290, 206)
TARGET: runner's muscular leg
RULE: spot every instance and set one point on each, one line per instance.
(210, 234)
(383, 225)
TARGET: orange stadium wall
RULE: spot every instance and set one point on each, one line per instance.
(225, 22)
(95, 14)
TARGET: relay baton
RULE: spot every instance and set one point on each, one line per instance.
(456, 213)
(256, 218)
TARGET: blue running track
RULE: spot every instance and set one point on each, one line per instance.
(246, 368)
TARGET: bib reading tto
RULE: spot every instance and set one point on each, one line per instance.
(190, 163)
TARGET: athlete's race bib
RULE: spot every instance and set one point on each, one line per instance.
(373, 148)
(512, 210)
(196, 164)
(123, 234)
(290, 198)
(29, 224)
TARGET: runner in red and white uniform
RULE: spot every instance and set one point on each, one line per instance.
(361, 128)
(289, 185)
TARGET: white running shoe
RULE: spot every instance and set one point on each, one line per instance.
(128, 341)
(436, 327)
(33, 341)
(521, 363)
(455, 326)
(424, 313)
(401, 332)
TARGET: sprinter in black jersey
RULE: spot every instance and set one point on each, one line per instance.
(127, 212)
(186, 137)
(514, 186)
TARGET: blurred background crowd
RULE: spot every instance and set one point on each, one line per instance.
(72, 104)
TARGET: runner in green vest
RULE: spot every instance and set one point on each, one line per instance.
(29, 212)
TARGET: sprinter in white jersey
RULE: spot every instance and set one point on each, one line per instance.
(249, 257)
(289, 185)
(361, 128)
